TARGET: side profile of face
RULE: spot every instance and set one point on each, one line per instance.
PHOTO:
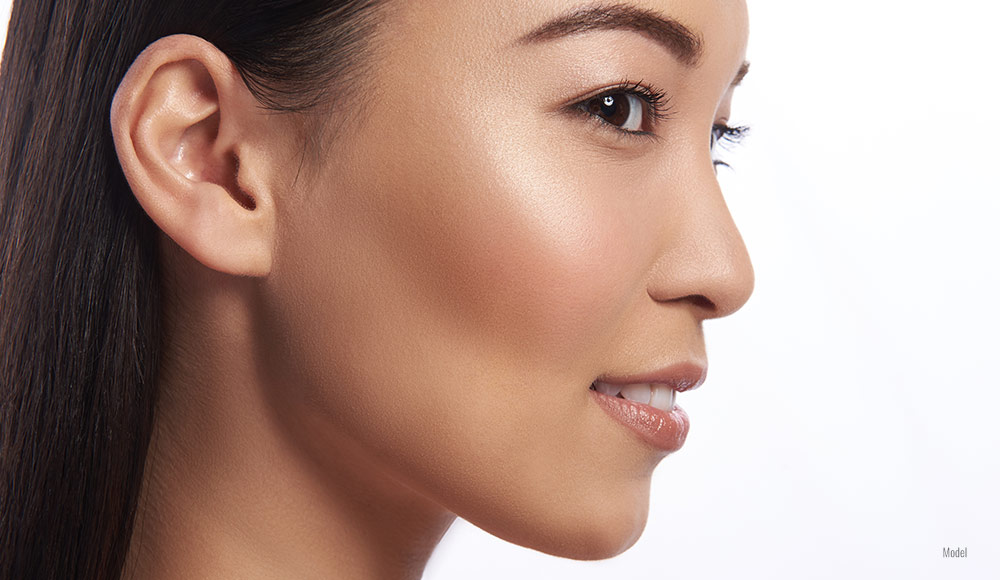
(479, 242)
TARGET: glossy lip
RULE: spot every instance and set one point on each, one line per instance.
(665, 431)
(681, 377)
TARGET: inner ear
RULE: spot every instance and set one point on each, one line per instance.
(238, 193)
(198, 157)
(193, 153)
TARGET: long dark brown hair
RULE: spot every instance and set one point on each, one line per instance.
(80, 305)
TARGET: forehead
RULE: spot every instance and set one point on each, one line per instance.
(491, 22)
(490, 29)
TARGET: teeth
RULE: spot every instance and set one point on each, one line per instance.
(637, 393)
(660, 396)
(663, 397)
(606, 389)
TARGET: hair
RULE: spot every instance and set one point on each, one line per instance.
(80, 296)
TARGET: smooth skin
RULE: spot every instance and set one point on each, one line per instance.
(400, 323)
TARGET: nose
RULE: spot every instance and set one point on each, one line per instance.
(704, 261)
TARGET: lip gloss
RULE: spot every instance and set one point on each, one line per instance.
(665, 431)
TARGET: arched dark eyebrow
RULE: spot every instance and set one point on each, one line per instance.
(684, 43)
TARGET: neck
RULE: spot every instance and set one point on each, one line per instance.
(232, 490)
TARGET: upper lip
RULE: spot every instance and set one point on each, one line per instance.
(683, 376)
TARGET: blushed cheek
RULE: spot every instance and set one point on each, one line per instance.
(541, 268)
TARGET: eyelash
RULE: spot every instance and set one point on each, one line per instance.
(658, 104)
(728, 137)
(656, 100)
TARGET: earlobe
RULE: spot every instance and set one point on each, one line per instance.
(179, 121)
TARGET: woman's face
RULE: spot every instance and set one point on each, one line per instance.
(482, 238)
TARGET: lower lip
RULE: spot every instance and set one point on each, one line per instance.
(664, 430)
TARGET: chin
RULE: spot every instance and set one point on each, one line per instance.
(597, 544)
(595, 528)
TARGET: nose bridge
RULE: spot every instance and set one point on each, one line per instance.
(703, 259)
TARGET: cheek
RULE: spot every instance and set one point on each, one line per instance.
(445, 310)
(540, 268)
(515, 283)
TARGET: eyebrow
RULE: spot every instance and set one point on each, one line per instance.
(744, 69)
(684, 43)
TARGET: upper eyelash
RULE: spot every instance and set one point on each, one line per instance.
(723, 133)
(728, 136)
(658, 101)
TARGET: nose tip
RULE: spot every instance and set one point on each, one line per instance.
(706, 264)
(728, 280)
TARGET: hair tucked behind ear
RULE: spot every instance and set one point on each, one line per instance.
(79, 281)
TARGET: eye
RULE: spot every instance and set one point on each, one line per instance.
(631, 108)
(623, 110)
(728, 137)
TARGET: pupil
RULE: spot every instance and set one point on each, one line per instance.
(613, 110)
(609, 107)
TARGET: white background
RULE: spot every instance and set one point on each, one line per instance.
(847, 427)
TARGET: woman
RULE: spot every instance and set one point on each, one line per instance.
(336, 272)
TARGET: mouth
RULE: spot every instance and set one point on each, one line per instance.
(657, 395)
(646, 403)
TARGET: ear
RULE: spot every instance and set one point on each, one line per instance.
(182, 121)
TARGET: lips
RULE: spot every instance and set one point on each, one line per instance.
(645, 403)
(658, 395)
(657, 389)
(681, 377)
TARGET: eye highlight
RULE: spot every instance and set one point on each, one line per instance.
(630, 108)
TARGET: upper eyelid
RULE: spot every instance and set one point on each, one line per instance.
(657, 100)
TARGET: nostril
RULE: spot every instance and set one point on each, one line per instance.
(699, 300)
(702, 302)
